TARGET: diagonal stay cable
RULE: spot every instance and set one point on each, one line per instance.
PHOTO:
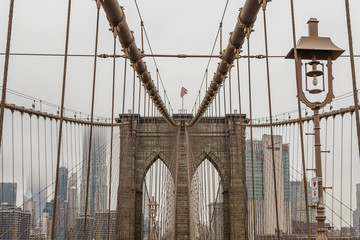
(246, 20)
(152, 53)
(6, 68)
(213, 48)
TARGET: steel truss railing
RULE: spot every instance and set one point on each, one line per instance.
(333, 113)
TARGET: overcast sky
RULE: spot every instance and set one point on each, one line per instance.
(173, 27)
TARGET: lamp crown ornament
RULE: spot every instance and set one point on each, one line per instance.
(317, 50)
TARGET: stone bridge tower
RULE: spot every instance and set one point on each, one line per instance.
(182, 149)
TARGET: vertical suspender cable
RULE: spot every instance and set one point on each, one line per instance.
(133, 103)
(142, 36)
(224, 101)
(46, 167)
(61, 120)
(123, 103)
(271, 122)
(6, 68)
(2, 169)
(332, 175)
(157, 83)
(341, 168)
(238, 79)
(326, 147)
(351, 162)
(31, 166)
(300, 124)
(220, 28)
(206, 86)
(352, 63)
(39, 160)
(251, 141)
(230, 95)
(111, 131)
(98, 4)
(22, 156)
(13, 155)
(140, 98)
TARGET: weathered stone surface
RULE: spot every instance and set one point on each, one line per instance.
(145, 140)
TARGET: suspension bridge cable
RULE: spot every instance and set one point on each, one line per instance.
(251, 140)
(218, 33)
(61, 119)
(124, 88)
(351, 160)
(264, 2)
(112, 129)
(98, 4)
(353, 75)
(299, 113)
(333, 168)
(133, 101)
(150, 48)
(22, 156)
(6, 69)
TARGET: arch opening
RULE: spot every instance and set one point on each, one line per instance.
(206, 203)
(158, 202)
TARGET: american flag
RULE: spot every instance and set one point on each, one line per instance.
(183, 91)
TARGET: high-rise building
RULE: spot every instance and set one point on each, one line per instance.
(8, 194)
(47, 218)
(298, 204)
(79, 228)
(30, 207)
(101, 224)
(356, 214)
(61, 225)
(264, 202)
(62, 183)
(97, 192)
(72, 202)
(14, 224)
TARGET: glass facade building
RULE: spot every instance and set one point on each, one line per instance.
(8, 194)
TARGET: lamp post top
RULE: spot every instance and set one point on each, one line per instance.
(313, 45)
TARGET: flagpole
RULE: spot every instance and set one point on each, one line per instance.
(182, 104)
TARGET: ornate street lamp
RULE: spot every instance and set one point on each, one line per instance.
(318, 50)
(152, 212)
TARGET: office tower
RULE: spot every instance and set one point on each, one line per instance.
(356, 214)
(61, 231)
(298, 204)
(62, 183)
(101, 225)
(79, 228)
(30, 207)
(14, 224)
(72, 202)
(8, 194)
(264, 201)
(97, 192)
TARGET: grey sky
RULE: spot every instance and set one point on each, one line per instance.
(173, 27)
